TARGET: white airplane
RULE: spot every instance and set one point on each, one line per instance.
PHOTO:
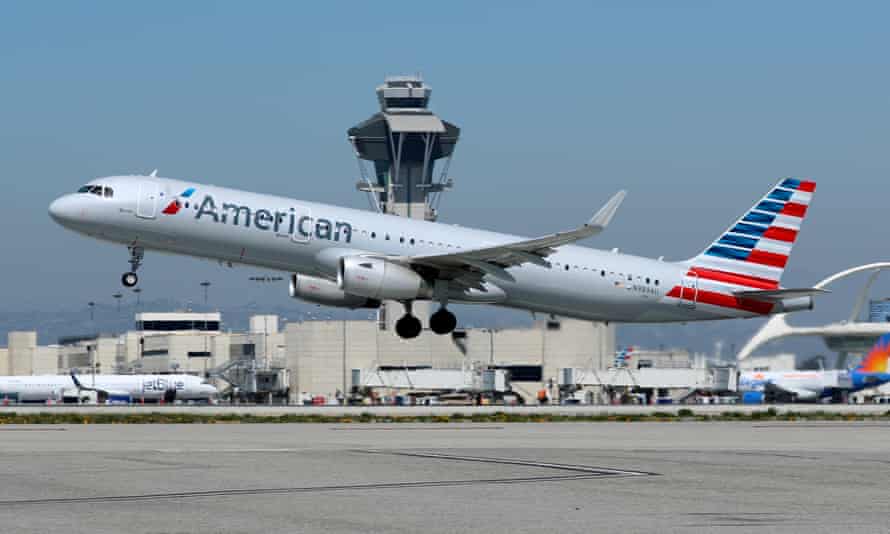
(871, 372)
(149, 387)
(354, 259)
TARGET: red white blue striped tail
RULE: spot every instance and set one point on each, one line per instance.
(753, 252)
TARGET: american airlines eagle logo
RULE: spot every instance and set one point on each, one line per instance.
(175, 205)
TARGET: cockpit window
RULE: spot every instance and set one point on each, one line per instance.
(97, 190)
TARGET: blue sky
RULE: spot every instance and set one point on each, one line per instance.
(696, 108)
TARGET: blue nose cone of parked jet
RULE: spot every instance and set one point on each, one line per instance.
(64, 209)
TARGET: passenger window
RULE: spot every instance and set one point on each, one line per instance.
(647, 280)
(602, 273)
(412, 241)
(401, 240)
(567, 267)
(656, 282)
(373, 235)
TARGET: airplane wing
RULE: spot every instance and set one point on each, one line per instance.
(495, 259)
(81, 387)
(775, 295)
(800, 393)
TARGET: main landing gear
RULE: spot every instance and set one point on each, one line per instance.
(443, 321)
(130, 279)
(409, 326)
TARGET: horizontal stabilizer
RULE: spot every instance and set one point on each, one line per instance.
(775, 295)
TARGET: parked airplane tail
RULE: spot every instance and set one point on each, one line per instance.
(876, 359)
(753, 252)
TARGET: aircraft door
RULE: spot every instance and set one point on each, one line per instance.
(689, 291)
(147, 201)
(304, 225)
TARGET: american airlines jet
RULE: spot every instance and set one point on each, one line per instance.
(355, 259)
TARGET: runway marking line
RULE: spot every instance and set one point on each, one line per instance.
(576, 472)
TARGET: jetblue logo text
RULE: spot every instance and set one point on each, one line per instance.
(162, 384)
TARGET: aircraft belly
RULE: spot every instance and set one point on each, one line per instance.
(575, 295)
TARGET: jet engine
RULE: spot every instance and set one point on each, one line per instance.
(379, 279)
(794, 304)
(321, 291)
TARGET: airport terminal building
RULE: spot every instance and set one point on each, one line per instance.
(316, 358)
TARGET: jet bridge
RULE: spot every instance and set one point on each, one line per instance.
(680, 382)
(421, 378)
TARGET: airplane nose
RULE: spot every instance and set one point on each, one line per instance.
(63, 209)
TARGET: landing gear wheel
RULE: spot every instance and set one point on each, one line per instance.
(443, 322)
(408, 327)
(129, 279)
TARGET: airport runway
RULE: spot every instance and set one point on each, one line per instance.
(560, 477)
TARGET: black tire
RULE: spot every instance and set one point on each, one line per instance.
(443, 322)
(129, 279)
(408, 327)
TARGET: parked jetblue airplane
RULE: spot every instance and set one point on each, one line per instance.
(354, 259)
(149, 387)
(871, 372)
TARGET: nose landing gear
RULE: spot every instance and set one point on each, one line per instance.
(130, 279)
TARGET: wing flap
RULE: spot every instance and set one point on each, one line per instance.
(497, 257)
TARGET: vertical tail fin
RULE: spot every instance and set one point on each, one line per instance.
(753, 252)
(876, 359)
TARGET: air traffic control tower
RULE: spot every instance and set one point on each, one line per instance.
(403, 142)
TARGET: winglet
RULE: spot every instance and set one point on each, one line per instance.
(154, 173)
(605, 214)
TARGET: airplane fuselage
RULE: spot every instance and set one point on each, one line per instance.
(148, 387)
(296, 236)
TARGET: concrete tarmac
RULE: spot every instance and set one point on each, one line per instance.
(558, 477)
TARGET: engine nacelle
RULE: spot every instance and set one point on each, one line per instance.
(321, 291)
(379, 279)
(794, 304)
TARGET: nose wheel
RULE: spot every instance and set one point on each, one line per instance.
(443, 322)
(130, 279)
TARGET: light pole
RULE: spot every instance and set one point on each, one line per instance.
(138, 292)
(92, 305)
(205, 284)
(490, 332)
(344, 358)
(117, 297)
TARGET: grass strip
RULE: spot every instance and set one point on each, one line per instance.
(10, 417)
